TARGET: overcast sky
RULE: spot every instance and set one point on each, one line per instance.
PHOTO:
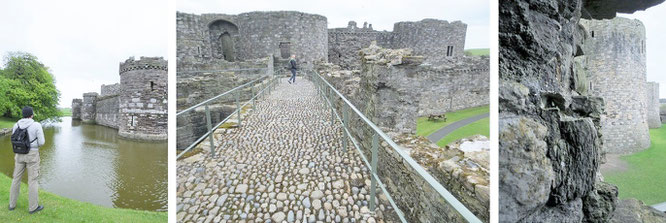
(654, 20)
(84, 41)
(380, 13)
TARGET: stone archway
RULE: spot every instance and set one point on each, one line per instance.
(224, 38)
(227, 45)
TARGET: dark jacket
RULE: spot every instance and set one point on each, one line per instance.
(293, 66)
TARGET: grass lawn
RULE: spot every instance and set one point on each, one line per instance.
(425, 127)
(477, 52)
(645, 178)
(480, 127)
(66, 112)
(6, 122)
(60, 209)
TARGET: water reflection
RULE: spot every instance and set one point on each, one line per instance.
(92, 163)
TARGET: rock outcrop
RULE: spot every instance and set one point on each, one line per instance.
(550, 144)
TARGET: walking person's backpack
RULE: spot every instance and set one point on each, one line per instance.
(21, 140)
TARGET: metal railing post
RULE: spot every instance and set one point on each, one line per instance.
(252, 96)
(238, 108)
(330, 100)
(373, 166)
(209, 124)
(345, 123)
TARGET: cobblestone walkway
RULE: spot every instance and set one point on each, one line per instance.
(285, 164)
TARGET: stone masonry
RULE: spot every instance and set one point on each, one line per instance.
(252, 35)
(89, 107)
(437, 40)
(653, 117)
(394, 81)
(137, 106)
(615, 52)
(143, 98)
(550, 129)
(76, 108)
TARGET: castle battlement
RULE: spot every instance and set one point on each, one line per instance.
(144, 63)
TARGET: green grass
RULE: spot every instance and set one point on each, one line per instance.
(644, 178)
(425, 127)
(65, 112)
(477, 52)
(6, 122)
(480, 127)
(60, 209)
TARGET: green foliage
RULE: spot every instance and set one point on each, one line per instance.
(65, 112)
(477, 52)
(644, 178)
(24, 81)
(480, 127)
(424, 127)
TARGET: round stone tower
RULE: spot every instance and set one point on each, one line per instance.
(143, 98)
(615, 51)
(89, 107)
(282, 33)
(435, 39)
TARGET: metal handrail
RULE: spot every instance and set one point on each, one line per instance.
(209, 134)
(443, 192)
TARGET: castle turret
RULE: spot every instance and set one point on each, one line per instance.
(615, 52)
(89, 107)
(143, 98)
(76, 108)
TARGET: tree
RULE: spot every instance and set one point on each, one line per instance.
(24, 81)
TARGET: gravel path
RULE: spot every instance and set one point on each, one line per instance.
(441, 133)
(285, 164)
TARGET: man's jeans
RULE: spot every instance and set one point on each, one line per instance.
(22, 162)
(293, 76)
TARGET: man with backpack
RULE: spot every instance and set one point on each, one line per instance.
(27, 137)
(293, 68)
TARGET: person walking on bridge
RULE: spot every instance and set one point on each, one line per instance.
(27, 137)
(293, 68)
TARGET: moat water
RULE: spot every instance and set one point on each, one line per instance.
(91, 163)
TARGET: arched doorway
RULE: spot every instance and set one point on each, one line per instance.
(224, 38)
(227, 45)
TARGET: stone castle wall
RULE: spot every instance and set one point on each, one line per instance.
(137, 106)
(653, 116)
(615, 51)
(106, 113)
(193, 88)
(437, 40)
(76, 108)
(111, 89)
(89, 107)
(252, 35)
(143, 98)
(402, 88)
(431, 38)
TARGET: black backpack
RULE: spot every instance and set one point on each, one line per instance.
(21, 140)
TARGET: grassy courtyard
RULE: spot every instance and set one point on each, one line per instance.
(60, 209)
(477, 52)
(482, 127)
(65, 112)
(644, 179)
